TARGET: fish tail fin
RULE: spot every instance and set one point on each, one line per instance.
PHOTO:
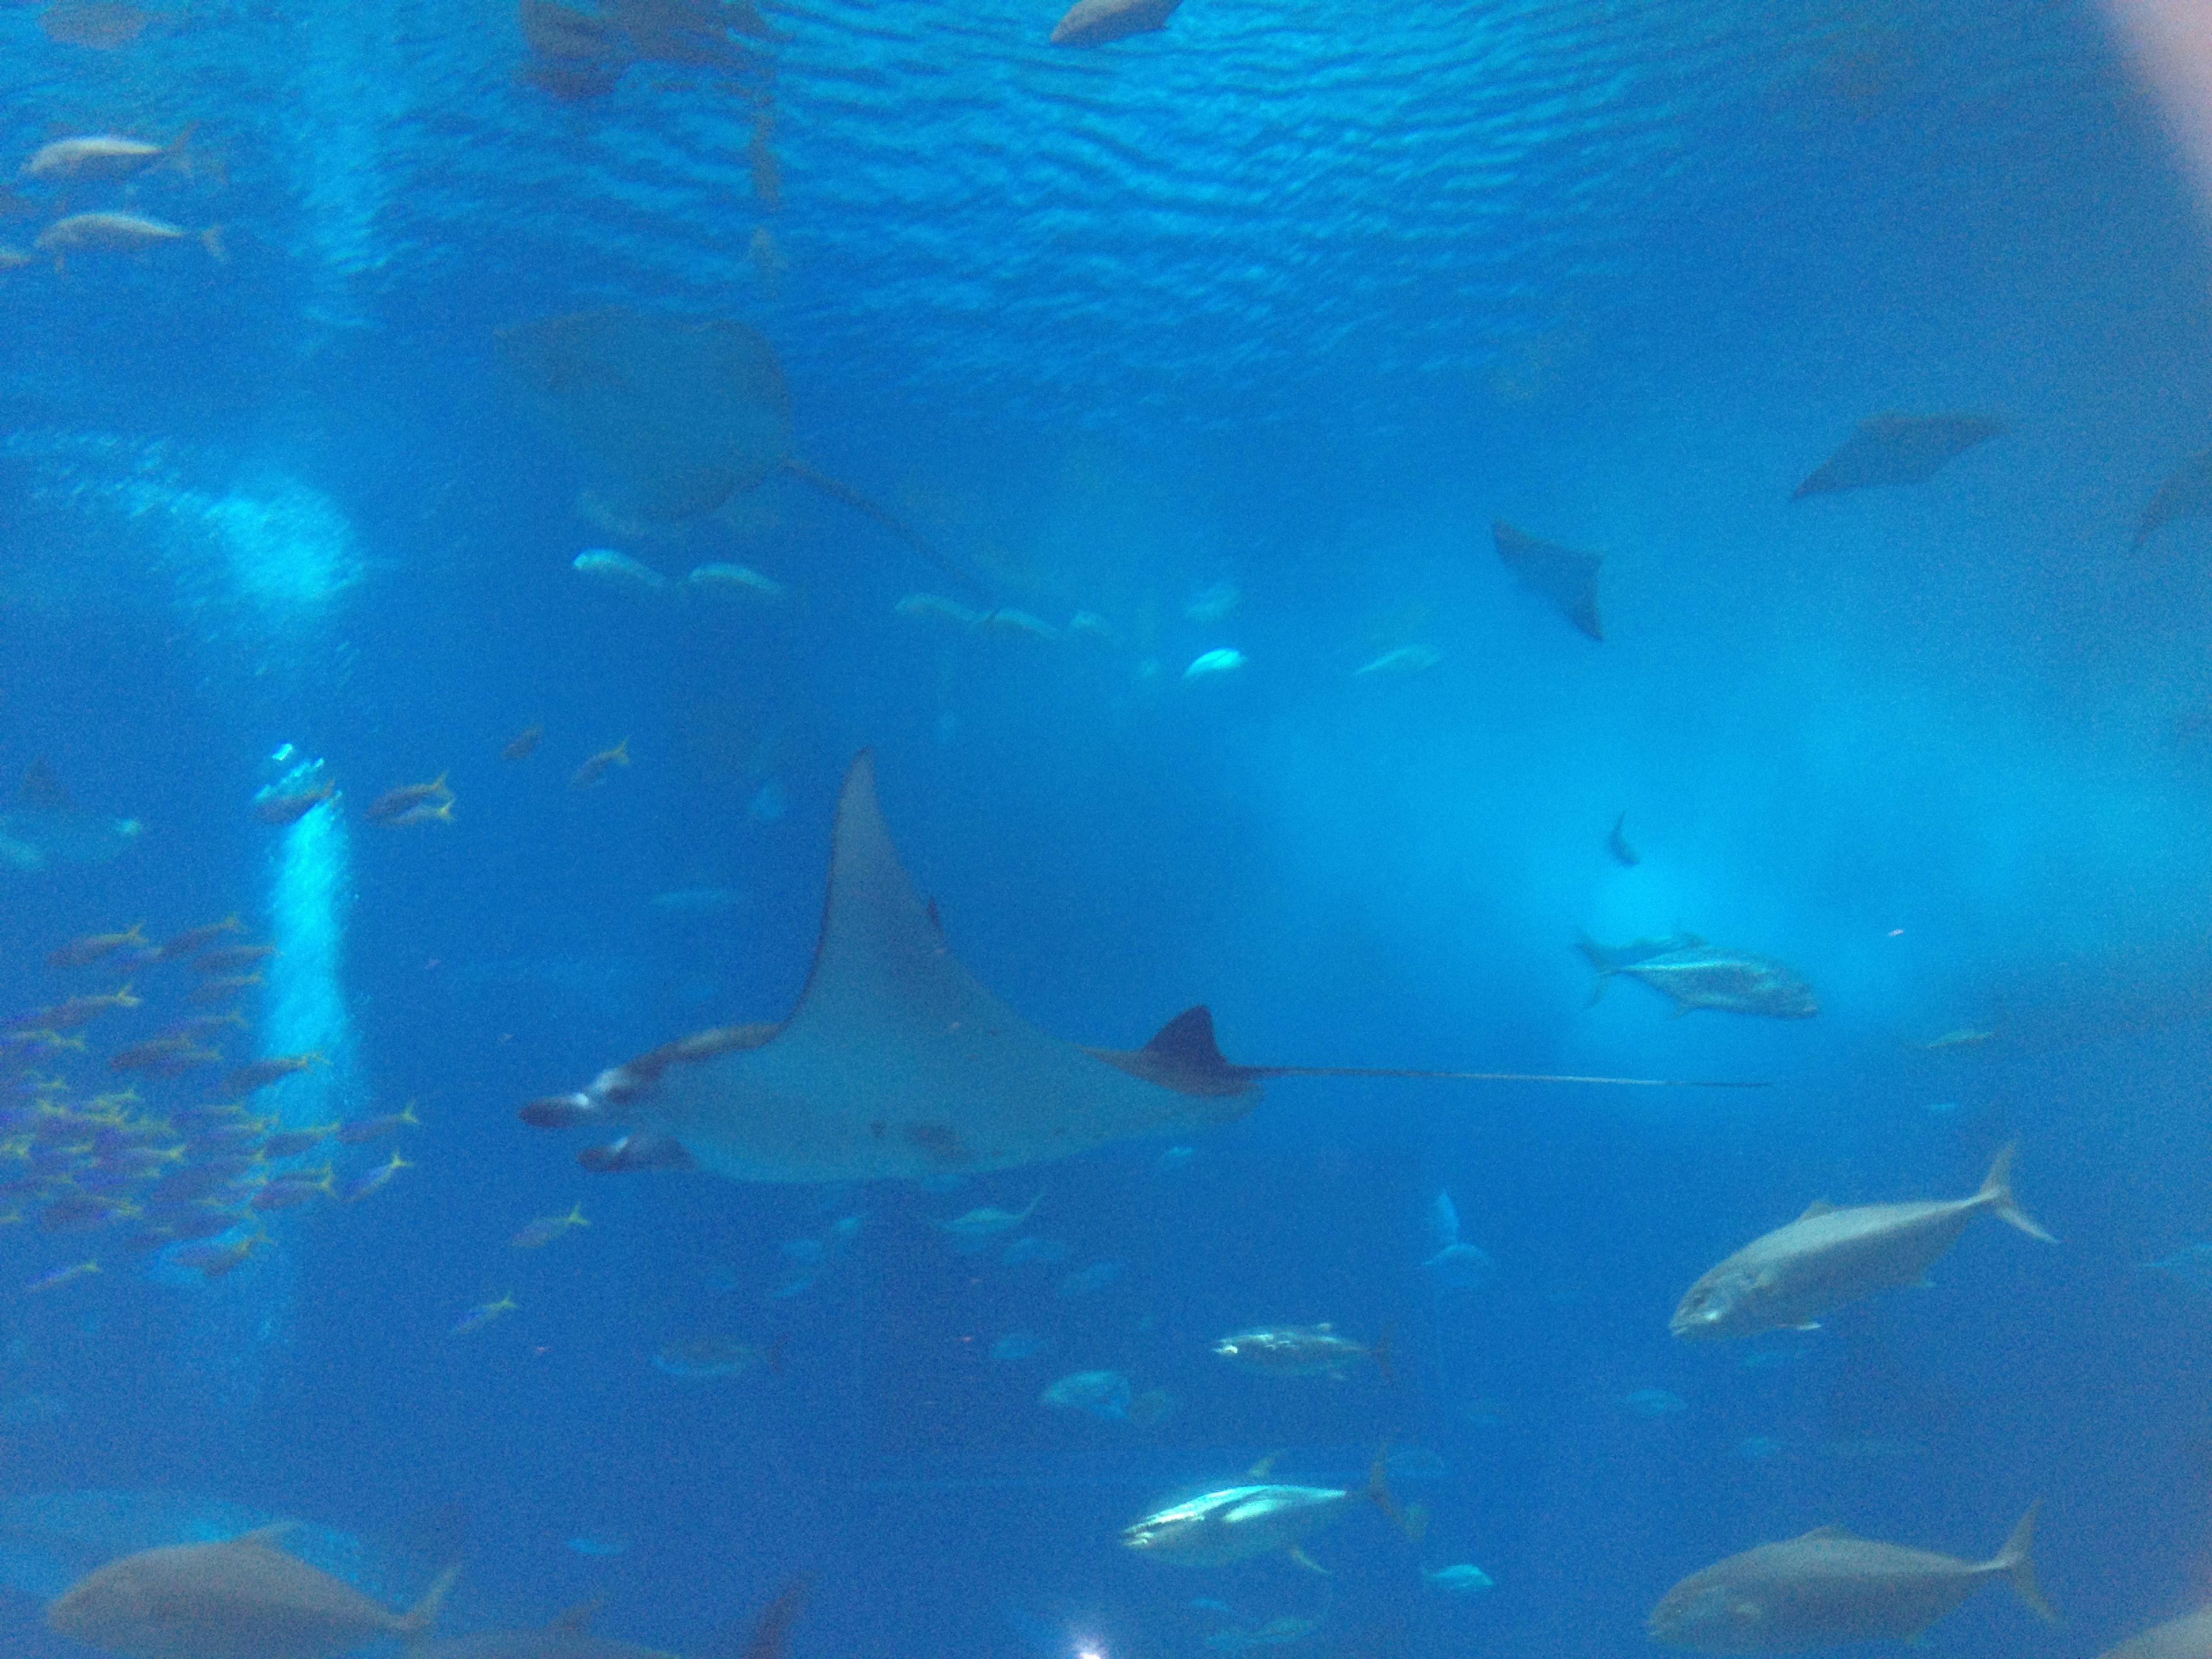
(1382, 1355)
(1411, 1523)
(2016, 1560)
(212, 239)
(1595, 954)
(424, 1613)
(1996, 1194)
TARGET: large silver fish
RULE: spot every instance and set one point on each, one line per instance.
(241, 1598)
(1828, 1257)
(1695, 974)
(1830, 1587)
(1301, 1351)
(1237, 1523)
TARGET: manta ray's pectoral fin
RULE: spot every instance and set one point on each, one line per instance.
(648, 1149)
(1183, 1056)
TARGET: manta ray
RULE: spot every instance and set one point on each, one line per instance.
(1562, 576)
(897, 1063)
(674, 415)
(1890, 449)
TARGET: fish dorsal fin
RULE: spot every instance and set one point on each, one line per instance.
(264, 1538)
(1183, 1056)
(1297, 1554)
(1818, 1206)
(1264, 1468)
(1830, 1532)
(577, 1621)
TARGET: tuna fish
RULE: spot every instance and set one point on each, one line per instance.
(1236, 1523)
(1828, 1257)
(1829, 1588)
(1695, 975)
(1300, 1351)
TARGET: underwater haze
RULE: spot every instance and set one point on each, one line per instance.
(1622, 592)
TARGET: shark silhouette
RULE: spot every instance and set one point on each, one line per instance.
(898, 1063)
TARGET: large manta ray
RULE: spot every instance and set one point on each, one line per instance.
(897, 1063)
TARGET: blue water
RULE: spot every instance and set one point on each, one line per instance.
(1292, 300)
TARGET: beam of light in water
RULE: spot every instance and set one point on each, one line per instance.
(242, 1321)
(305, 1008)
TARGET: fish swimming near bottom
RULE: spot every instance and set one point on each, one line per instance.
(2188, 1637)
(1830, 1588)
(1695, 974)
(570, 1637)
(241, 1598)
(1828, 1257)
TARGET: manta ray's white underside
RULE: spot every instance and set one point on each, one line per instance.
(896, 1062)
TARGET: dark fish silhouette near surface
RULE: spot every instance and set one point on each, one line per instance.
(1095, 22)
(1828, 1257)
(577, 53)
(2186, 495)
(1568, 580)
(1830, 1587)
(897, 1064)
(1897, 449)
(242, 1598)
(1695, 975)
(676, 414)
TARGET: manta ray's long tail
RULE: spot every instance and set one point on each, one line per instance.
(1184, 1055)
(1513, 1076)
(869, 509)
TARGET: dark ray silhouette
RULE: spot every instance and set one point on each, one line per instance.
(1897, 449)
(1568, 580)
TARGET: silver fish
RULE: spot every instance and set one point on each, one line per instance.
(1236, 1523)
(1701, 976)
(1828, 1257)
(1300, 1351)
(1830, 1587)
